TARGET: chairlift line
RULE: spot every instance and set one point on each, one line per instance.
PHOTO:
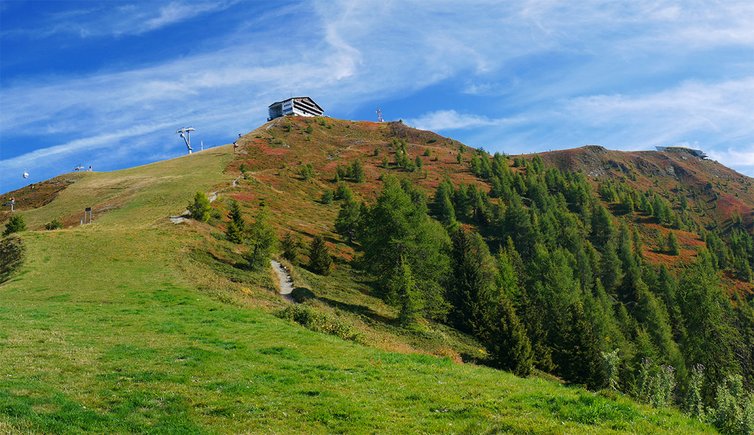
(185, 134)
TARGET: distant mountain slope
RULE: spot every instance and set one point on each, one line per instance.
(717, 192)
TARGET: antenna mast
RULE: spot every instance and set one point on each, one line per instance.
(379, 115)
(185, 134)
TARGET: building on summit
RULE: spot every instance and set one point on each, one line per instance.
(295, 106)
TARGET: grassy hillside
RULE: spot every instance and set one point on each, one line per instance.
(135, 324)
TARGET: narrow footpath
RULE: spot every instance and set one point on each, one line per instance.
(286, 282)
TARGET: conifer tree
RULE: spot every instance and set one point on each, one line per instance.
(291, 246)
(611, 270)
(261, 241)
(403, 285)
(236, 227)
(672, 244)
(710, 336)
(509, 345)
(398, 226)
(320, 260)
(200, 208)
(357, 171)
(443, 204)
(349, 217)
(232, 233)
(15, 224)
(472, 291)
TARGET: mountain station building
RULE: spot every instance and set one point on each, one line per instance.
(295, 106)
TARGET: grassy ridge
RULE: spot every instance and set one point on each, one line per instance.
(133, 324)
(119, 341)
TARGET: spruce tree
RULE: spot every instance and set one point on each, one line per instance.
(509, 346)
(472, 291)
(320, 260)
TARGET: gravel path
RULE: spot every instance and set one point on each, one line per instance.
(286, 283)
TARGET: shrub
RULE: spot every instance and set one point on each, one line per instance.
(54, 225)
(343, 192)
(15, 224)
(319, 322)
(306, 171)
(327, 197)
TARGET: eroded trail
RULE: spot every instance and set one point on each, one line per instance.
(286, 282)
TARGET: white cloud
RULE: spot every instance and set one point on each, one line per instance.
(452, 120)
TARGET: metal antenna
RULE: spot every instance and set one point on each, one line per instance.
(185, 134)
(379, 115)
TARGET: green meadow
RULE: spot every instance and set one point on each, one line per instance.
(116, 327)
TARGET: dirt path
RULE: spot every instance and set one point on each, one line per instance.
(286, 282)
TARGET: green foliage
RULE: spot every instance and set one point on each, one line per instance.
(733, 412)
(291, 246)
(261, 242)
(11, 256)
(342, 191)
(396, 227)
(402, 284)
(508, 344)
(672, 246)
(327, 197)
(200, 208)
(55, 224)
(234, 231)
(320, 260)
(694, 402)
(306, 171)
(348, 220)
(319, 321)
(612, 368)
(443, 204)
(357, 171)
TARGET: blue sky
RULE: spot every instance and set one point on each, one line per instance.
(108, 83)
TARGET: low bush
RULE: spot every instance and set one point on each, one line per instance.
(318, 321)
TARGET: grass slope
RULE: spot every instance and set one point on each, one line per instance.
(133, 324)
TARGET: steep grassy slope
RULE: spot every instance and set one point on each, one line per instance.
(136, 324)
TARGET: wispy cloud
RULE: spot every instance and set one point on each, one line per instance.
(122, 20)
(451, 120)
(539, 74)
